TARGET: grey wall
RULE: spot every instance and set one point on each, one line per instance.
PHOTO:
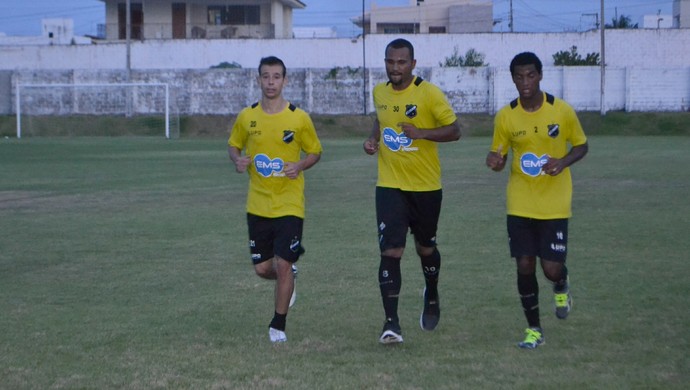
(342, 90)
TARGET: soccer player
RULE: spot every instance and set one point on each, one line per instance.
(537, 127)
(412, 116)
(280, 142)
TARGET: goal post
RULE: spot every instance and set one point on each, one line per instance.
(54, 101)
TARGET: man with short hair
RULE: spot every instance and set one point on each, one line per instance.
(537, 127)
(280, 142)
(412, 116)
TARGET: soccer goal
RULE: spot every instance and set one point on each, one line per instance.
(96, 110)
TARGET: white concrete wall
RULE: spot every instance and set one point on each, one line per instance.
(624, 48)
(647, 70)
(341, 90)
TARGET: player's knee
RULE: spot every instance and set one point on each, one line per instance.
(526, 265)
(393, 252)
(552, 270)
(265, 270)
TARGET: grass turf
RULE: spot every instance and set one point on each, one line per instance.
(123, 264)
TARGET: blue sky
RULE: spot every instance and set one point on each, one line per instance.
(23, 17)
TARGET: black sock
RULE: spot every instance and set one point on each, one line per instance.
(431, 265)
(529, 295)
(562, 285)
(278, 321)
(390, 281)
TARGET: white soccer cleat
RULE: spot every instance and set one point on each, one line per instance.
(277, 336)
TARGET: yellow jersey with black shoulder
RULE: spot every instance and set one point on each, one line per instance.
(533, 137)
(403, 163)
(271, 140)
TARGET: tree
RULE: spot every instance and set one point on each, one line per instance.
(472, 58)
(227, 65)
(573, 58)
(621, 22)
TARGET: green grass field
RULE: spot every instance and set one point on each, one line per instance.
(123, 264)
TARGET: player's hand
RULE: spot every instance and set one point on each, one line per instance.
(242, 163)
(496, 160)
(411, 131)
(292, 170)
(553, 166)
(371, 146)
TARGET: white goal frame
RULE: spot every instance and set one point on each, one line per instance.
(93, 85)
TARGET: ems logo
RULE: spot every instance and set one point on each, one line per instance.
(395, 141)
(531, 164)
(288, 136)
(267, 166)
(553, 130)
(411, 110)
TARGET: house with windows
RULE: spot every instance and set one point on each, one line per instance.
(200, 19)
(429, 17)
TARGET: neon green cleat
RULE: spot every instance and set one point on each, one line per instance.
(533, 338)
(564, 302)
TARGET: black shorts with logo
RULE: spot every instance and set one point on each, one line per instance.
(398, 210)
(269, 237)
(544, 238)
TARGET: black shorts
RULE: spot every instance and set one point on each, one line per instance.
(269, 237)
(543, 238)
(397, 211)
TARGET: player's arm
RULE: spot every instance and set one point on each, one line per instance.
(241, 162)
(371, 144)
(555, 166)
(447, 133)
(292, 169)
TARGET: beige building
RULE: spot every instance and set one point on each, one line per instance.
(681, 13)
(200, 19)
(429, 17)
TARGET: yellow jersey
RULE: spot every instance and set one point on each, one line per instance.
(271, 140)
(533, 137)
(403, 163)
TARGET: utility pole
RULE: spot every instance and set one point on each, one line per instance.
(510, 23)
(128, 35)
(364, 62)
(602, 29)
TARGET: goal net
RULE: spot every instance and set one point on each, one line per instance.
(144, 109)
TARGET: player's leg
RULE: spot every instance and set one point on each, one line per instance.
(522, 241)
(288, 248)
(426, 209)
(261, 246)
(392, 222)
(554, 244)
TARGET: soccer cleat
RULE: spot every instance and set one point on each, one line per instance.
(431, 313)
(277, 336)
(564, 302)
(533, 338)
(391, 333)
(293, 297)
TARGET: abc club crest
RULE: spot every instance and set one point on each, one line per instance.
(553, 130)
(411, 110)
(288, 136)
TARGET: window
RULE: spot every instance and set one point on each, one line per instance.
(215, 15)
(234, 14)
(398, 28)
(437, 29)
